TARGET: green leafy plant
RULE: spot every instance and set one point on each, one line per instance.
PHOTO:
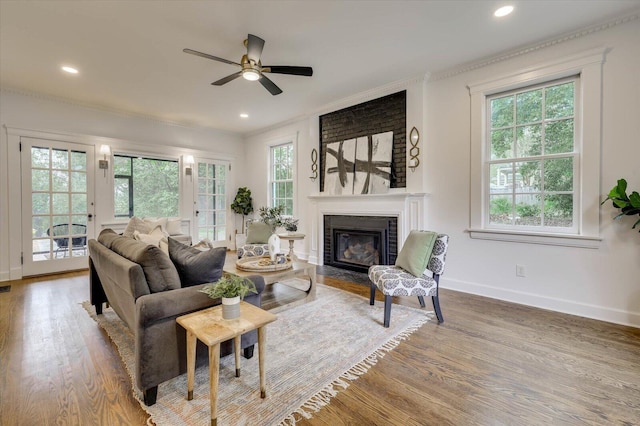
(272, 216)
(243, 203)
(290, 224)
(629, 205)
(230, 286)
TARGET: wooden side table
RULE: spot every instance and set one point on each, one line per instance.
(292, 239)
(209, 327)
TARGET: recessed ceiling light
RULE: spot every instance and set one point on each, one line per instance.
(244, 115)
(503, 11)
(70, 70)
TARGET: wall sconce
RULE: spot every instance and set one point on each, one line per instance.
(189, 162)
(414, 152)
(104, 164)
(314, 165)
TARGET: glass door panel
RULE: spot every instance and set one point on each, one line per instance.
(211, 201)
(57, 180)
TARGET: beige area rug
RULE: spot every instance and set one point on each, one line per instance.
(313, 351)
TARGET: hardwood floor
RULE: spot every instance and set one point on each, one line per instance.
(489, 363)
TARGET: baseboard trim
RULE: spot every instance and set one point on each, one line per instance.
(4, 276)
(601, 313)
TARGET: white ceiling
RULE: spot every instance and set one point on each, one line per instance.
(130, 57)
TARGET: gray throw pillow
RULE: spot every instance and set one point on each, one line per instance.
(416, 251)
(196, 266)
(158, 269)
(258, 233)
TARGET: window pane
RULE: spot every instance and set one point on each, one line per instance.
(155, 187)
(121, 196)
(40, 226)
(558, 210)
(78, 182)
(529, 140)
(558, 174)
(40, 203)
(78, 161)
(501, 144)
(40, 180)
(528, 176)
(559, 101)
(60, 180)
(40, 157)
(500, 209)
(78, 203)
(528, 211)
(529, 107)
(122, 166)
(202, 169)
(559, 137)
(79, 219)
(60, 203)
(61, 220)
(59, 159)
(501, 178)
(502, 112)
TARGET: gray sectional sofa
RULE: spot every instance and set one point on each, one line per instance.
(143, 286)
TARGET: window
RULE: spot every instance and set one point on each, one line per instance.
(281, 185)
(535, 153)
(145, 187)
(532, 158)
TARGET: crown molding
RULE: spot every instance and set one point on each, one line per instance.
(470, 66)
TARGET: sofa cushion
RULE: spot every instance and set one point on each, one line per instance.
(158, 269)
(106, 237)
(174, 226)
(196, 266)
(258, 233)
(136, 224)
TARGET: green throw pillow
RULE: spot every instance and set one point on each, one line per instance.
(258, 233)
(416, 252)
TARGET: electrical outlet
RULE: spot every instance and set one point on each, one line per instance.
(521, 271)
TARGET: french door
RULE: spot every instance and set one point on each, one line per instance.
(211, 201)
(57, 205)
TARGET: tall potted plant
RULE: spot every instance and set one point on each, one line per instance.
(629, 205)
(243, 203)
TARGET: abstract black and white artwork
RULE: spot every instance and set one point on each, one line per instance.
(359, 166)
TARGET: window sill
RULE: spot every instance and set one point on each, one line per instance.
(565, 240)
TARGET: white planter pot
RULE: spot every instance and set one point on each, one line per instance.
(230, 307)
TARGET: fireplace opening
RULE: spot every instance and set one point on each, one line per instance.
(357, 242)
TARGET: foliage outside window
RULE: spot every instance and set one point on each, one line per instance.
(532, 158)
(281, 185)
(145, 187)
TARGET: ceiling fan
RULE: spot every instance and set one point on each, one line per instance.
(252, 68)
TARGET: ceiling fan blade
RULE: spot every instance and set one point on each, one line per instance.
(227, 79)
(205, 55)
(254, 47)
(270, 85)
(285, 69)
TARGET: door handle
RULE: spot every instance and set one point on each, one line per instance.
(89, 217)
(197, 213)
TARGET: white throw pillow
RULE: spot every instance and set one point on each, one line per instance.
(174, 226)
(152, 222)
(136, 224)
(203, 245)
(152, 238)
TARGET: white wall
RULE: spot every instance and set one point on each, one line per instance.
(602, 283)
(68, 121)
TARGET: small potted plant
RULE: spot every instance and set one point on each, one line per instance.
(231, 289)
(290, 224)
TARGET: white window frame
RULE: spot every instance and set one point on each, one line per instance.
(272, 180)
(588, 66)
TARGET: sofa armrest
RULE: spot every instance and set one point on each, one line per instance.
(166, 304)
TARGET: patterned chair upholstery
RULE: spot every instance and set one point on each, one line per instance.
(392, 280)
(257, 250)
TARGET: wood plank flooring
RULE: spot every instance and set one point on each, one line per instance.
(489, 363)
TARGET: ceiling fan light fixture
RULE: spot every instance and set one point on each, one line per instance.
(503, 11)
(251, 75)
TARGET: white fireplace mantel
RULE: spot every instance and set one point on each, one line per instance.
(409, 208)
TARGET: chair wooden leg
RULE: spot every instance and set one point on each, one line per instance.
(387, 310)
(436, 307)
(421, 300)
(372, 294)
